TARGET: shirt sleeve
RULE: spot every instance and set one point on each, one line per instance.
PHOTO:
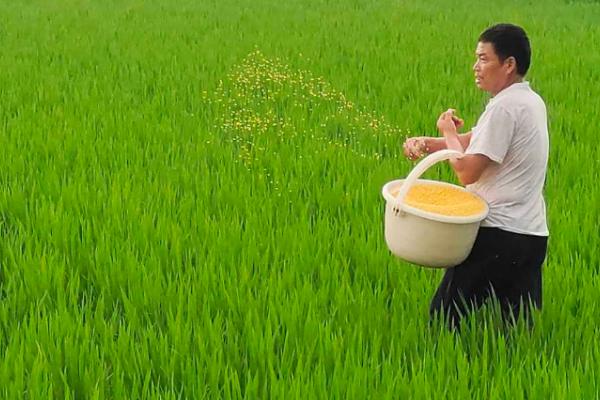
(493, 134)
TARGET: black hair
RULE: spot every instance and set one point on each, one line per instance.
(509, 40)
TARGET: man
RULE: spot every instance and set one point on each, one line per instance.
(505, 163)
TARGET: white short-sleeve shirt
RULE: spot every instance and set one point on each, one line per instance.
(513, 133)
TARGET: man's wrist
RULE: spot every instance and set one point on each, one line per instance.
(426, 145)
(434, 144)
(449, 133)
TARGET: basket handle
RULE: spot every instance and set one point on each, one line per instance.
(419, 169)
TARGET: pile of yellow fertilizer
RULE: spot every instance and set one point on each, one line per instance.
(443, 200)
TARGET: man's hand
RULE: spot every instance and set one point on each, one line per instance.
(448, 122)
(415, 148)
(458, 122)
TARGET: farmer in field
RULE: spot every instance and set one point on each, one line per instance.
(505, 163)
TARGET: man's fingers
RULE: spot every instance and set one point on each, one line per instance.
(408, 148)
(457, 121)
(447, 114)
(412, 149)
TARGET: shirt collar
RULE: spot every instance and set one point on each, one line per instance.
(510, 89)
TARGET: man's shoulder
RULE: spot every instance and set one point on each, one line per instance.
(518, 101)
(500, 108)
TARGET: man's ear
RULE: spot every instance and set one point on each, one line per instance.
(511, 64)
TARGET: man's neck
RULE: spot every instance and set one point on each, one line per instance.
(510, 82)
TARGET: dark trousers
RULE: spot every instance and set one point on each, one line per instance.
(502, 265)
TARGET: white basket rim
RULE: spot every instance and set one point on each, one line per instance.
(386, 192)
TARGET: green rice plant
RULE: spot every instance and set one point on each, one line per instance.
(190, 201)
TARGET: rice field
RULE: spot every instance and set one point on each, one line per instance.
(190, 200)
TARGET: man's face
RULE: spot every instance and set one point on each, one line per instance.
(491, 74)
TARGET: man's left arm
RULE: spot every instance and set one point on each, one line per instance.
(468, 168)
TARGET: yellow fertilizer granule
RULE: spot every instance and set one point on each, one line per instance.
(443, 200)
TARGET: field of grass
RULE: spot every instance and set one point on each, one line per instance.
(190, 200)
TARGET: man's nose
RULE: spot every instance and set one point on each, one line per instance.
(476, 66)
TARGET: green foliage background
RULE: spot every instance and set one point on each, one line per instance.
(151, 249)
